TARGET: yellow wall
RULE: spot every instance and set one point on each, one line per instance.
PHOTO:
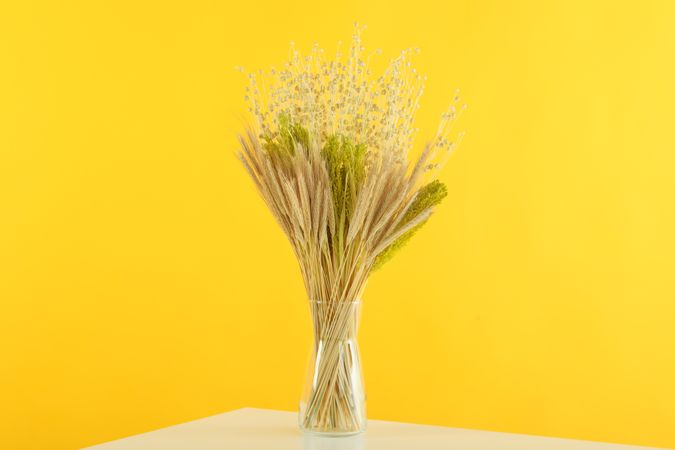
(143, 283)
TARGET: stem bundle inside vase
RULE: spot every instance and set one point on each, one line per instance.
(329, 149)
(334, 399)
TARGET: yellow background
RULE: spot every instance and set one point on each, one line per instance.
(143, 283)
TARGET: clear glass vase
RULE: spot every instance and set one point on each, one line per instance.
(334, 401)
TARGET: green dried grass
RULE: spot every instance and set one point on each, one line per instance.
(428, 196)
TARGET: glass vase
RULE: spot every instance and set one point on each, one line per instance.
(333, 401)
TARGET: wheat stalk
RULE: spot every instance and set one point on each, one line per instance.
(328, 150)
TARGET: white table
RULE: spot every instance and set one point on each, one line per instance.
(263, 429)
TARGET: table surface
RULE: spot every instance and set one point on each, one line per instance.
(263, 429)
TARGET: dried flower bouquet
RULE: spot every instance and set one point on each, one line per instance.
(328, 149)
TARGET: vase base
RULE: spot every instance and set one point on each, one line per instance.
(331, 434)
